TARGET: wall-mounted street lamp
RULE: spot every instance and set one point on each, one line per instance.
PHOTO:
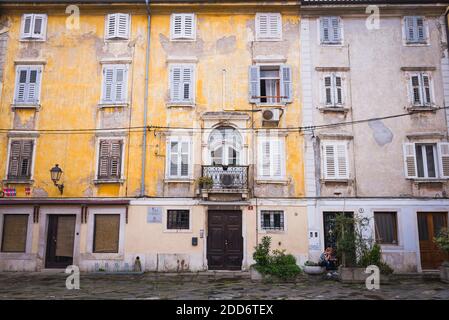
(56, 173)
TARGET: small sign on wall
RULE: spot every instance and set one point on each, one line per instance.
(314, 240)
(154, 215)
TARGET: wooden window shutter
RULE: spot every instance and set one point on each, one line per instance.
(111, 26)
(342, 160)
(266, 158)
(409, 29)
(175, 83)
(415, 89)
(26, 158)
(262, 25)
(120, 89)
(21, 155)
(324, 29)
(106, 233)
(189, 26)
(426, 90)
(21, 84)
(420, 32)
(33, 85)
(336, 32)
(116, 159)
(39, 25)
(27, 24)
(328, 90)
(254, 84)
(15, 227)
(174, 157)
(122, 21)
(103, 161)
(410, 160)
(329, 152)
(187, 83)
(14, 159)
(338, 90)
(176, 26)
(286, 84)
(275, 26)
(278, 157)
(443, 151)
(108, 83)
(185, 155)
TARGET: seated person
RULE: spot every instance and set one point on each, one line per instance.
(327, 259)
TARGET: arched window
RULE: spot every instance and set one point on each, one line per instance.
(225, 146)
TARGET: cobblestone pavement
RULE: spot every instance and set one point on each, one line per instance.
(193, 286)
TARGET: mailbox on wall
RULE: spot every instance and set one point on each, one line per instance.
(194, 241)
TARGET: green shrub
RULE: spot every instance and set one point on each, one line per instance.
(278, 264)
(442, 240)
(373, 256)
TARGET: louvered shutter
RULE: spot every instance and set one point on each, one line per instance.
(120, 83)
(111, 26)
(335, 36)
(266, 158)
(286, 84)
(103, 161)
(420, 32)
(187, 80)
(26, 158)
(115, 159)
(415, 90)
(324, 29)
(328, 90)
(122, 25)
(342, 160)
(329, 161)
(277, 152)
(21, 84)
(262, 26)
(443, 151)
(426, 90)
(175, 83)
(14, 159)
(410, 31)
(275, 26)
(188, 26)
(27, 25)
(174, 158)
(338, 99)
(185, 155)
(410, 160)
(33, 85)
(254, 84)
(176, 26)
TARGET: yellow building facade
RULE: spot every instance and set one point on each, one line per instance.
(174, 125)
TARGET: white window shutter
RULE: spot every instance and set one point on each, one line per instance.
(266, 158)
(328, 95)
(33, 85)
(111, 26)
(254, 84)
(21, 84)
(176, 26)
(39, 26)
(174, 157)
(120, 83)
(329, 163)
(175, 83)
(325, 29)
(415, 89)
(286, 84)
(338, 90)
(336, 32)
(108, 83)
(342, 159)
(420, 32)
(410, 160)
(123, 21)
(187, 80)
(27, 25)
(275, 26)
(262, 25)
(185, 155)
(425, 84)
(409, 29)
(443, 152)
(189, 26)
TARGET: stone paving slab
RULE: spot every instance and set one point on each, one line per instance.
(152, 286)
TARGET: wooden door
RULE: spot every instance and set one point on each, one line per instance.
(224, 240)
(60, 241)
(429, 225)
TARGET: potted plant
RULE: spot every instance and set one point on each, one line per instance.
(205, 182)
(442, 241)
(356, 251)
(275, 266)
(312, 268)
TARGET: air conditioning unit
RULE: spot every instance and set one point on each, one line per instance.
(271, 115)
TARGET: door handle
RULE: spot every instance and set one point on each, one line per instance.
(226, 242)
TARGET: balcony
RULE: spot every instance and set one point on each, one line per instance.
(226, 179)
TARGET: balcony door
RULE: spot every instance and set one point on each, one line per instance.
(225, 147)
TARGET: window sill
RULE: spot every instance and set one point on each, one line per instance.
(109, 181)
(268, 39)
(179, 180)
(116, 40)
(272, 105)
(18, 181)
(32, 40)
(337, 181)
(428, 180)
(331, 44)
(272, 231)
(271, 181)
(17, 256)
(182, 39)
(174, 231)
(180, 105)
(333, 109)
(15, 106)
(417, 44)
(104, 105)
(414, 109)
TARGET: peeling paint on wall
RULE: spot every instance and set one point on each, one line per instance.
(381, 133)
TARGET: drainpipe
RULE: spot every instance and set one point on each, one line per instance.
(145, 103)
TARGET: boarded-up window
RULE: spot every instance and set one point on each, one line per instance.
(386, 227)
(106, 233)
(20, 157)
(178, 219)
(14, 232)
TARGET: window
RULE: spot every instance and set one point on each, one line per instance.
(14, 233)
(385, 224)
(272, 220)
(178, 219)
(183, 26)
(333, 90)
(330, 30)
(271, 158)
(115, 84)
(420, 90)
(181, 84)
(28, 80)
(335, 160)
(20, 159)
(179, 157)
(117, 26)
(106, 233)
(34, 27)
(426, 160)
(268, 26)
(270, 84)
(110, 159)
(415, 30)
(225, 146)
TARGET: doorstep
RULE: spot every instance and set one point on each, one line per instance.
(425, 275)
